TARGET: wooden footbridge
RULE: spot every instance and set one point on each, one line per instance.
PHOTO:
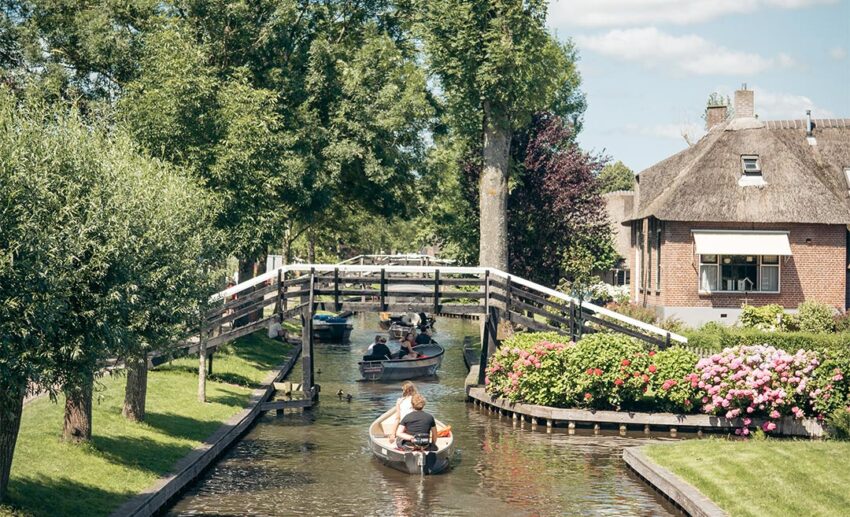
(297, 290)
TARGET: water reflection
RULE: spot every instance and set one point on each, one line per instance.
(318, 463)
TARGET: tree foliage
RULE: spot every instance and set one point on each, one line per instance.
(616, 176)
(558, 224)
(105, 252)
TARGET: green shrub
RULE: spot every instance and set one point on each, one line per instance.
(816, 317)
(526, 340)
(635, 311)
(608, 371)
(529, 367)
(838, 424)
(766, 317)
(671, 388)
(841, 322)
(709, 337)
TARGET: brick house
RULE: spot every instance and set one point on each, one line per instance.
(755, 212)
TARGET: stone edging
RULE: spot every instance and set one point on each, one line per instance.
(787, 426)
(685, 495)
(156, 497)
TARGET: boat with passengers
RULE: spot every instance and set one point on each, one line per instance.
(415, 460)
(426, 364)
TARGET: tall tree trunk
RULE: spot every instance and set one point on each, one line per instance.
(311, 248)
(11, 406)
(136, 390)
(493, 191)
(78, 407)
(249, 269)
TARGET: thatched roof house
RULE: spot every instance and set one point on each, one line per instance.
(710, 223)
(800, 182)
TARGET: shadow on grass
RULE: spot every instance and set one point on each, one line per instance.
(182, 426)
(61, 496)
(230, 398)
(259, 351)
(225, 377)
(141, 453)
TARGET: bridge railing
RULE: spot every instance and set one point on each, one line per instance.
(438, 289)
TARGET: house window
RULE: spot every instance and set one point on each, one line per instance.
(847, 176)
(708, 273)
(769, 273)
(750, 164)
(739, 273)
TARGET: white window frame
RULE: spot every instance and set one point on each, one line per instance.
(719, 280)
(750, 172)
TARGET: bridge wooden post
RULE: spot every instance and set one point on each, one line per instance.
(278, 306)
(436, 291)
(383, 289)
(485, 340)
(336, 289)
(572, 321)
(307, 339)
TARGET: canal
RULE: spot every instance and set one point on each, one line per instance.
(319, 463)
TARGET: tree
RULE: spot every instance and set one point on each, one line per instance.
(616, 176)
(717, 99)
(170, 260)
(497, 66)
(557, 217)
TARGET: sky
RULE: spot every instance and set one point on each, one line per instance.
(648, 66)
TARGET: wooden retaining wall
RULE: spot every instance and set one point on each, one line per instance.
(156, 497)
(683, 494)
(554, 417)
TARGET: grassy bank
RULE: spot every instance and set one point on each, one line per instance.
(50, 477)
(766, 477)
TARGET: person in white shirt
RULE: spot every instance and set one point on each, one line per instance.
(403, 406)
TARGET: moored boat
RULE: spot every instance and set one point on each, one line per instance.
(407, 320)
(403, 369)
(411, 462)
(333, 329)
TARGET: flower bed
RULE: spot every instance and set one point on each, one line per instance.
(605, 371)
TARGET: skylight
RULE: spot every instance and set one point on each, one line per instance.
(750, 164)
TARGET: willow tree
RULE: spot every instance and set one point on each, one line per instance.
(497, 66)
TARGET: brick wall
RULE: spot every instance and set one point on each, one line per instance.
(814, 271)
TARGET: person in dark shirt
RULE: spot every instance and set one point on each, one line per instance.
(424, 337)
(417, 423)
(379, 351)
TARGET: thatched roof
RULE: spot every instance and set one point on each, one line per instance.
(802, 183)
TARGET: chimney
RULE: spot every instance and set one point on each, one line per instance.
(714, 115)
(744, 103)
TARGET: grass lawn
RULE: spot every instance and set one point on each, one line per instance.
(50, 477)
(764, 477)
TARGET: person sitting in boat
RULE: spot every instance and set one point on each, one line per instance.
(417, 426)
(378, 351)
(424, 337)
(407, 344)
(403, 406)
(424, 323)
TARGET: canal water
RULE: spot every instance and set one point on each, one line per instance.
(319, 463)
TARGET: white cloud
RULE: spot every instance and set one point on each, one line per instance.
(672, 131)
(620, 13)
(780, 106)
(688, 53)
(837, 53)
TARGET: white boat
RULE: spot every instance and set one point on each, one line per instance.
(404, 369)
(411, 462)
